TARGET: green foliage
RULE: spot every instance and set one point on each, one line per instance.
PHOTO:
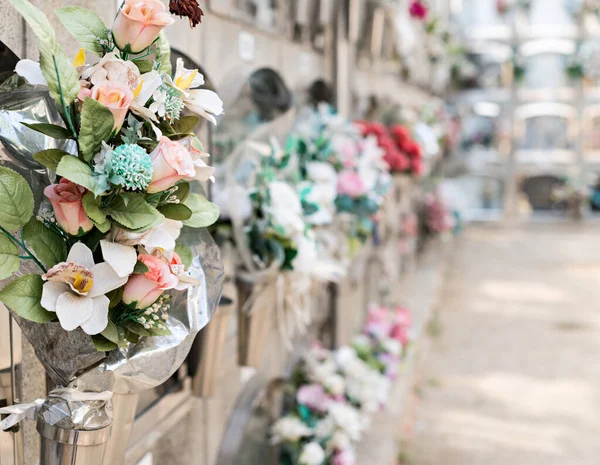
(133, 212)
(102, 344)
(175, 211)
(163, 54)
(204, 213)
(23, 297)
(9, 257)
(86, 26)
(92, 208)
(50, 130)
(185, 253)
(50, 158)
(97, 124)
(78, 172)
(62, 77)
(140, 268)
(16, 199)
(48, 246)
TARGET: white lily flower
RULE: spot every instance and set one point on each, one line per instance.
(185, 79)
(76, 290)
(31, 71)
(162, 236)
(150, 82)
(205, 103)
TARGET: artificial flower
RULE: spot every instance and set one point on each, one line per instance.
(187, 8)
(172, 162)
(31, 71)
(233, 201)
(347, 419)
(76, 290)
(113, 69)
(344, 457)
(285, 208)
(115, 96)
(312, 454)
(66, 198)
(350, 184)
(289, 429)
(205, 103)
(184, 78)
(335, 384)
(314, 397)
(145, 289)
(138, 24)
(199, 156)
(418, 9)
(306, 257)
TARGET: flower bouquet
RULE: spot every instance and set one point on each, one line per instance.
(104, 266)
(276, 247)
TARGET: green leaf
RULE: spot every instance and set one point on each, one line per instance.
(9, 257)
(163, 54)
(97, 125)
(140, 268)
(204, 213)
(48, 246)
(50, 158)
(145, 66)
(102, 344)
(50, 130)
(23, 297)
(176, 211)
(78, 172)
(182, 192)
(103, 227)
(131, 336)
(185, 125)
(92, 208)
(133, 212)
(115, 296)
(111, 332)
(16, 200)
(51, 54)
(185, 253)
(86, 26)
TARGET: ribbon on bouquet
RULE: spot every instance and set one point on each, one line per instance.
(28, 411)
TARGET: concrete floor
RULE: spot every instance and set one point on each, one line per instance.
(511, 372)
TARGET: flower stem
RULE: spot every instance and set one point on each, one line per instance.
(21, 244)
(66, 111)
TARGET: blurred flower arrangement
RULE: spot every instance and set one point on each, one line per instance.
(104, 244)
(436, 218)
(335, 392)
(401, 152)
(506, 6)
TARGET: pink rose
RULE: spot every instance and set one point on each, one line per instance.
(350, 184)
(145, 288)
(138, 24)
(171, 162)
(314, 397)
(115, 96)
(65, 198)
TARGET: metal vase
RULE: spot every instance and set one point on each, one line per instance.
(66, 446)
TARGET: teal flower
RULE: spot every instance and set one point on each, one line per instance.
(129, 166)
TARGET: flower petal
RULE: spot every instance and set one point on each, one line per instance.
(32, 72)
(122, 258)
(73, 310)
(99, 319)
(50, 294)
(106, 279)
(81, 255)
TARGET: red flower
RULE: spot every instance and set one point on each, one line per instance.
(400, 133)
(418, 10)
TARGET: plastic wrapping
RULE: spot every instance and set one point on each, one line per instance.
(70, 357)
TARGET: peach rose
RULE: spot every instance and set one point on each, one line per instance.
(113, 95)
(65, 198)
(171, 162)
(145, 289)
(138, 24)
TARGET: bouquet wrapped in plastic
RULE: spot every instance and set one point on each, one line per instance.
(105, 263)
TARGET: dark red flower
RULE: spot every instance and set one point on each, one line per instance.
(418, 10)
(187, 8)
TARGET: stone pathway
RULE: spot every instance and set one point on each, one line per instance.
(511, 372)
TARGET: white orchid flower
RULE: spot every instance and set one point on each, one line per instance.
(31, 71)
(76, 290)
(185, 79)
